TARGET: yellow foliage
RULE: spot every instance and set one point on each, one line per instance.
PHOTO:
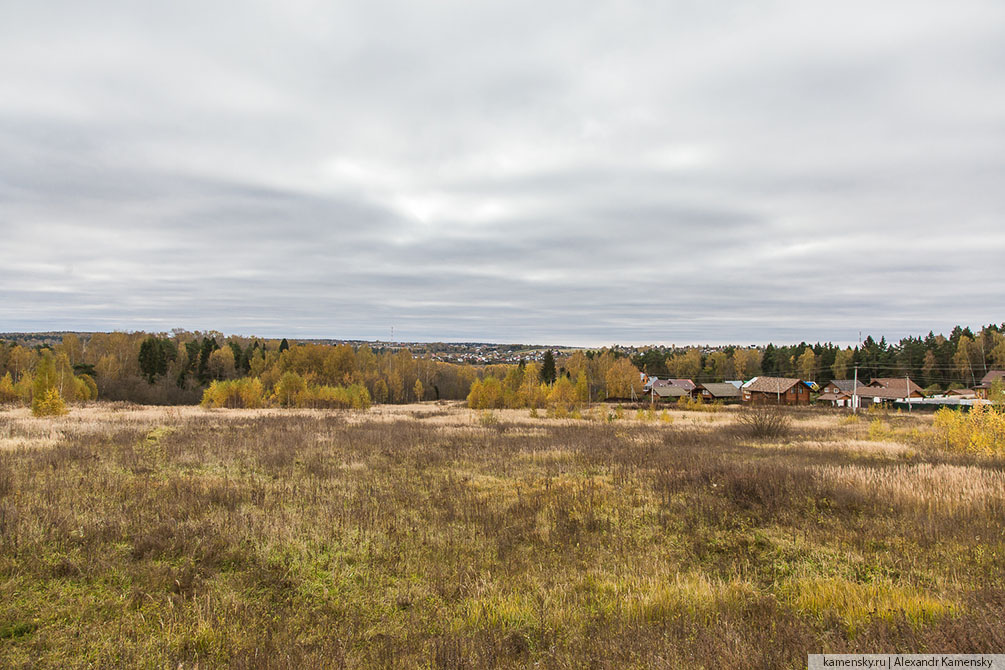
(289, 387)
(49, 403)
(697, 404)
(85, 388)
(646, 415)
(878, 430)
(248, 393)
(7, 392)
(334, 397)
(486, 394)
(562, 398)
(23, 389)
(980, 431)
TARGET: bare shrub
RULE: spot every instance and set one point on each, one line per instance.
(765, 421)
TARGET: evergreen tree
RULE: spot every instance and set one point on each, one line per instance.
(209, 345)
(284, 345)
(152, 359)
(548, 373)
(241, 361)
(769, 365)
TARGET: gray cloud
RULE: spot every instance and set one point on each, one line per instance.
(567, 172)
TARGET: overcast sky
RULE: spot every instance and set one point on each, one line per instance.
(560, 172)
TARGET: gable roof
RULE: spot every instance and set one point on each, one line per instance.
(898, 384)
(717, 390)
(686, 384)
(846, 385)
(670, 391)
(886, 392)
(990, 377)
(771, 384)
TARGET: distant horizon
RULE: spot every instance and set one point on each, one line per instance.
(527, 343)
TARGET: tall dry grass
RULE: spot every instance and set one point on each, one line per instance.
(425, 537)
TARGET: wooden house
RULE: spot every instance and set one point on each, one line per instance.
(776, 391)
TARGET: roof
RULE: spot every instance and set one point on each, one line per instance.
(898, 384)
(670, 391)
(846, 385)
(886, 393)
(990, 377)
(726, 390)
(683, 383)
(962, 393)
(771, 384)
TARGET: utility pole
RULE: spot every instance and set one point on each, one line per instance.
(854, 393)
(907, 384)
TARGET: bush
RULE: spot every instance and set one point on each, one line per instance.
(48, 404)
(765, 421)
(981, 431)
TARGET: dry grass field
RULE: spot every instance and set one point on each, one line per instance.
(433, 536)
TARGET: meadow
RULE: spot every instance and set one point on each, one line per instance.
(434, 536)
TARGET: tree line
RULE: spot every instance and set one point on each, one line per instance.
(190, 367)
(937, 362)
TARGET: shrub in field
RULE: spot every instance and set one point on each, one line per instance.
(878, 430)
(688, 403)
(765, 421)
(49, 403)
(981, 431)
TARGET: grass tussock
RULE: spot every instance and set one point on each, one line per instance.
(441, 537)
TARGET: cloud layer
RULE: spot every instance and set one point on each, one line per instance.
(559, 172)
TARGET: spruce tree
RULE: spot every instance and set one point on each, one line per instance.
(548, 368)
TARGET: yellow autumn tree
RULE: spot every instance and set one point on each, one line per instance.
(746, 363)
(7, 392)
(623, 379)
(808, 365)
(843, 360)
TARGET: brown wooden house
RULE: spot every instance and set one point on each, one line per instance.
(837, 392)
(776, 391)
(713, 392)
(984, 387)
